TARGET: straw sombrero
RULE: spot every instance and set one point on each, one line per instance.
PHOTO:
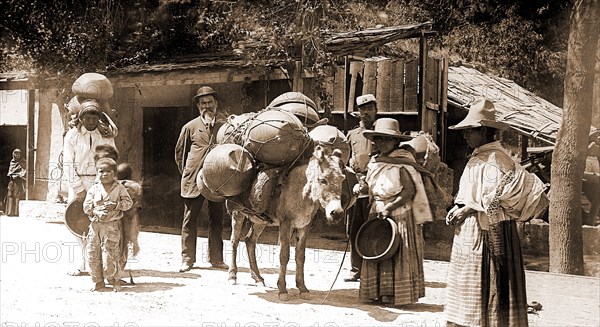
(386, 127)
(481, 113)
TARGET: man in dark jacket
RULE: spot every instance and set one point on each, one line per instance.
(193, 144)
(361, 150)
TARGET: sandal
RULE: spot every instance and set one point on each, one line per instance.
(536, 306)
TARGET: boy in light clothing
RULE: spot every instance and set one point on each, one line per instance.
(104, 204)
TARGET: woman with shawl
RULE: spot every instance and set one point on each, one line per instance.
(16, 185)
(486, 279)
(396, 191)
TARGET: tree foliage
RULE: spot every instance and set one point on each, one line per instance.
(521, 40)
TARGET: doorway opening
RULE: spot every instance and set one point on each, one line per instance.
(161, 203)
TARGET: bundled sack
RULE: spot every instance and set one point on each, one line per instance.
(258, 196)
(228, 169)
(275, 137)
(93, 86)
(427, 153)
(332, 138)
(298, 104)
(233, 129)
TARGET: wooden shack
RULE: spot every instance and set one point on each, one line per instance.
(152, 102)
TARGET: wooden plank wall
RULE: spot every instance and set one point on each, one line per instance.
(394, 83)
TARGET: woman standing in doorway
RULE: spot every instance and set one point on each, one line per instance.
(16, 185)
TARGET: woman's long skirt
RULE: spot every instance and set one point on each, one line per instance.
(16, 192)
(486, 284)
(401, 276)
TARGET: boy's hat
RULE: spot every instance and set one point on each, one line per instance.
(387, 127)
(107, 162)
(481, 113)
(364, 99)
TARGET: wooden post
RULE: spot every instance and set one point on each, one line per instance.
(30, 143)
(421, 100)
(346, 93)
(443, 117)
(432, 93)
(524, 146)
(298, 85)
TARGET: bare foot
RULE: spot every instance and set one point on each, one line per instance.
(116, 285)
(98, 286)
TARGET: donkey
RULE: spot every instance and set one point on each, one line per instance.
(309, 186)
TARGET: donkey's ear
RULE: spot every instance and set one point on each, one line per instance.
(337, 153)
(319, 152)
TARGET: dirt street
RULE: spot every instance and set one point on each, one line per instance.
(36, 290)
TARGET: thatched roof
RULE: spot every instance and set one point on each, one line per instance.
(524, 111)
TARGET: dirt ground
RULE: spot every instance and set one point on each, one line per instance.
(36, 290)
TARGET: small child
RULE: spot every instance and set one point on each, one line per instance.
(130, 217)
(104, 204)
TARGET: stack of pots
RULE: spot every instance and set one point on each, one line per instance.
(94, 89)
(272, 137)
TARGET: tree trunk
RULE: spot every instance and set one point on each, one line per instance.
(568, 160)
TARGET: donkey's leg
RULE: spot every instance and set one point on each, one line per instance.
(285, 231)
(251, 241)
(237, 221)
(300, 259)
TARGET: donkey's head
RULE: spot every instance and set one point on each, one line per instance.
(324, 177)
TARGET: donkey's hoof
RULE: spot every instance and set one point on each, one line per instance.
(232, 281)
(284, 296)
(305, 295)
(260, 281)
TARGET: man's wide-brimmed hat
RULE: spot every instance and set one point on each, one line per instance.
(481, 113)
(203, 91)
(386, 127)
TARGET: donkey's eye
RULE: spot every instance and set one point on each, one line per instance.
(323, 181)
